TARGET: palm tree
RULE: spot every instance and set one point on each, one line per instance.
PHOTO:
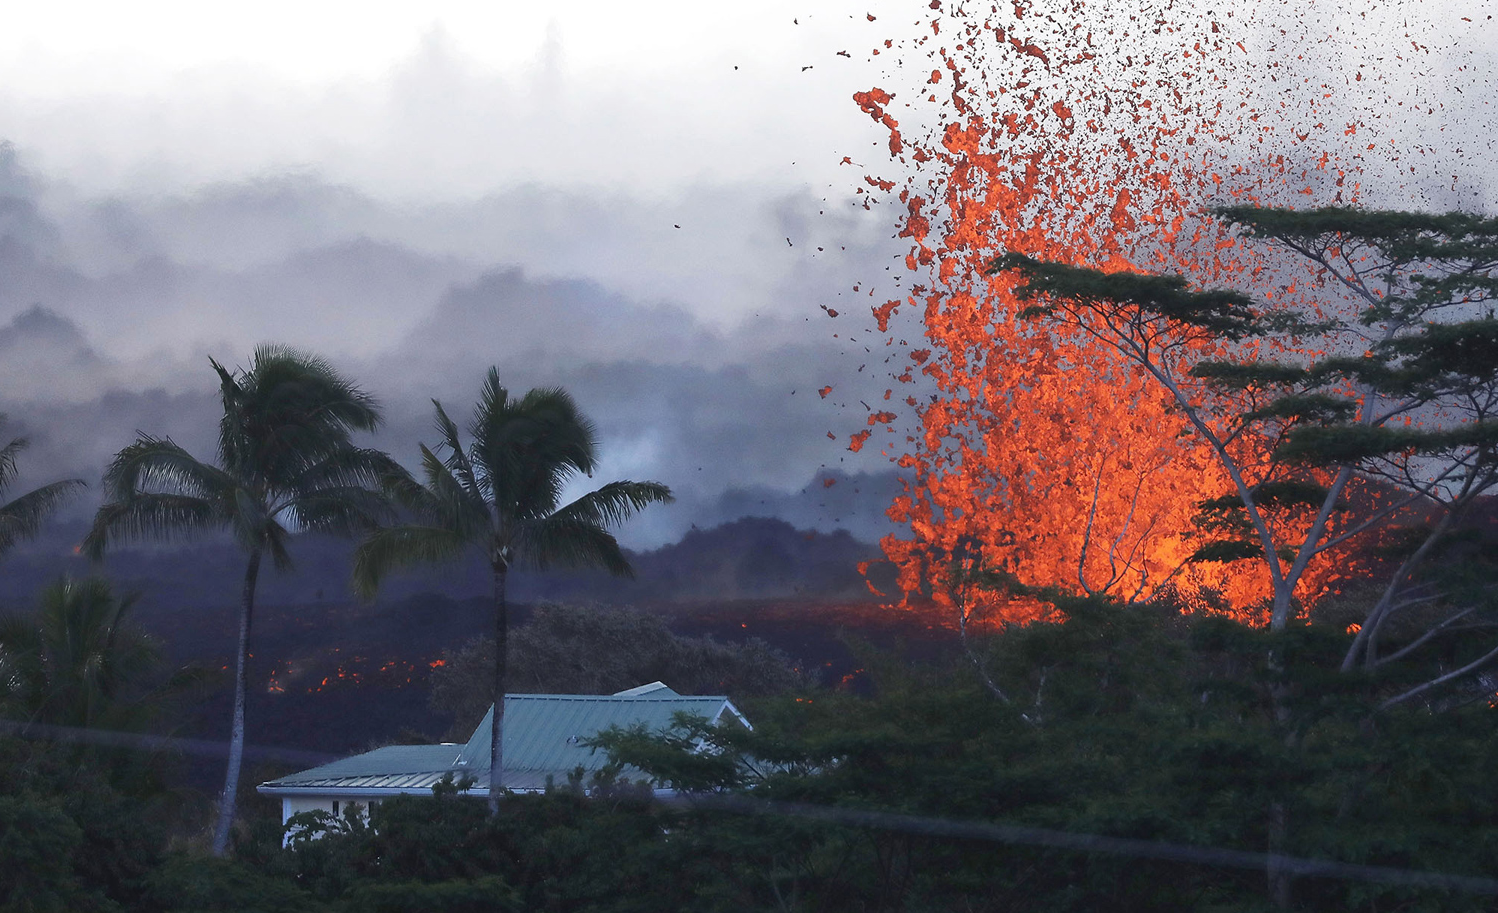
(21, 519)
(77, 662)
(285, 464)
(501, 495)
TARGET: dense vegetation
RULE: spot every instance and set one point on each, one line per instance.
(1132, 722)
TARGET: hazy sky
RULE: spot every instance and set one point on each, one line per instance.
(441, 100)
(642, 202)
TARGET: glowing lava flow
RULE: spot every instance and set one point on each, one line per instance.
(1092, 136)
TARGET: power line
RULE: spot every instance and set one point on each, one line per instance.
(923, 825)
(142, 742)
(1091, 843)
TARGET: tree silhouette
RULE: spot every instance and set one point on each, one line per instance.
(501, 495)
(78, 661)
(285, 464)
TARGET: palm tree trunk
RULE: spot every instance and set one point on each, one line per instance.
(501, 664)
(227, 801)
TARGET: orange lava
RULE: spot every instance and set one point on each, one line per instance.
(1076, 132)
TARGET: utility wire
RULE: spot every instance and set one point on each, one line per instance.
(924, 825)
(1088, 843)
(142, 742)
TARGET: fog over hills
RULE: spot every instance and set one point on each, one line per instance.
(110, 307)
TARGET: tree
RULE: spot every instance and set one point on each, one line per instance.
(1385, 372)
(501, 495)
(78, 662)
(21, 519)
(286, 464)
(1389, 376)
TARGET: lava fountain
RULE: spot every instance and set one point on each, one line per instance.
(1097, 135)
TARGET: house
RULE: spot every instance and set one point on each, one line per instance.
(543, 741)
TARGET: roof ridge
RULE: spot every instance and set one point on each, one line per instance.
(620, 698)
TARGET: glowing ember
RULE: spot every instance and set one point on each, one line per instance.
(1093, 135)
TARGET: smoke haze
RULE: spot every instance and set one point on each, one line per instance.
(644, 205)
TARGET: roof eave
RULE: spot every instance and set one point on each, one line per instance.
(369, 792)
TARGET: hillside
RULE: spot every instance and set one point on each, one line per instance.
(332, 674)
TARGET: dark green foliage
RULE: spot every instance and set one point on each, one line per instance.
(482, 895)
(1227, 516)
(674, 758)
(1352, 444)
(1455, 248)
(1449, 356)
(1281, 493)
(38, 843)
(558, 851)
(1306, 407)
(203, 884)
(1149, 726)
(80, 662)
(1241, 375)
(97, 819)
(1221, 311)
(1223, 551)
(1395, 229)
(1137, 722)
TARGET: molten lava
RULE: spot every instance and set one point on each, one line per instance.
(1095, 135)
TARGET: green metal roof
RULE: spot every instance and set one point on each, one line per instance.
(543, 739)
(396, 767)
(544, 732)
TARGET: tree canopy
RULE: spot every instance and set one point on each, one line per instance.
(286, 464)
(501, 495)
(1384, 377)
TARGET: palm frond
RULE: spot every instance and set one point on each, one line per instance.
(313, 385)
(8, 455)
(407, 494)
(560, 541)
(88, 658)
(389, 549)
(535, 489)
(615, 502)
(342, 511)
(494, 400)
(159, 465)
(571, 438)
(274, 537)
(530, 447)
(505, 488)
(286, 412)
(457, 462)
(22, 518)
(347, 467)
(151, 516)
(231, 443)
(17, 633)
(22, 666)
(453, 504)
